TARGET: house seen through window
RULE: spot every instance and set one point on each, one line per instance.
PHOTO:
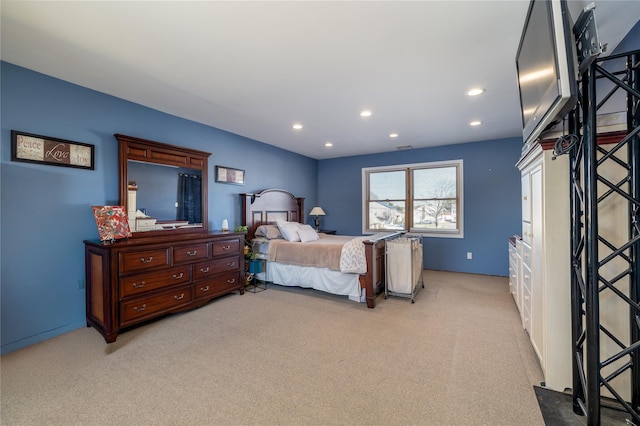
(424, 198)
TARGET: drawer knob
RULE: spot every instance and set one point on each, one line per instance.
(177, 277)
(179, 297)
(204, 289)
(136, 285)
(231, 264)
(231, 281)
(226, 247)
(149, 259)
(141, 308)
(204, 270)
(192, 253)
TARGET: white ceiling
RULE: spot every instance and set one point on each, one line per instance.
(256, 68)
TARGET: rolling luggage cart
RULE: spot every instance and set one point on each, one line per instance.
(404, 267)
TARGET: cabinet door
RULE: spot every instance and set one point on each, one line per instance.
(526, 197)
(538, 295)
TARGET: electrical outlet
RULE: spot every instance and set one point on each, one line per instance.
(80, 283)
(176, 204)
(469, 255)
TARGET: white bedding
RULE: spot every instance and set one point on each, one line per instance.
(342, 282)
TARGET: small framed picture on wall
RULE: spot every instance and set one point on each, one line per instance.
(229, 175)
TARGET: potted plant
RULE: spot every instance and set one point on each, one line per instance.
(255, 263)
(255, 266)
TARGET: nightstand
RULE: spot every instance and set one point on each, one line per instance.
(328, 231)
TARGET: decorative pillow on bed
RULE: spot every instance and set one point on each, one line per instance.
(307, 233)
(289, 230)
(270, 232)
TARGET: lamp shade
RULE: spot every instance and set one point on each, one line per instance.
(317, 211)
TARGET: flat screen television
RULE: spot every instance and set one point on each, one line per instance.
(546, 65)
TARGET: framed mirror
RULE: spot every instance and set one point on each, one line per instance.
(162, 187)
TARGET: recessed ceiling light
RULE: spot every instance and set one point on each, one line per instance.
(297, 126)
(365, 113)
(475, 123)
(328, 144)
(475, 91)
(393, 135)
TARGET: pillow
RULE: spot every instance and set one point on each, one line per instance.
(270, 232)
(307, 233)
(289, 230)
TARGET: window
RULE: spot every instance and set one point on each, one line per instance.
(425, 198)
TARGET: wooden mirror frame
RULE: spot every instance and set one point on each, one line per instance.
(142, 150)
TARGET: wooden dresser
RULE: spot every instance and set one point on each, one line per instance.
(132, 281)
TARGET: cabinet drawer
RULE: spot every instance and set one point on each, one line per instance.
(141, 283)
(219, 285)
(513, 253)
(226, 264)
(146, 307)
(226, 247)
(526, 320)
(191, 253)
(526, 254)
(205, 269)
(526, 278)
(144, 259)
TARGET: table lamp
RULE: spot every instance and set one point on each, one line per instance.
(317, 211)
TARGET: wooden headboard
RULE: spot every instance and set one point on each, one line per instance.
(268, 206)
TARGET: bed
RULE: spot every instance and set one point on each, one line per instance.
(293, 263)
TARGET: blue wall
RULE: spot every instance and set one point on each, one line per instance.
(45, 210)
(492, 209)
(630, 42)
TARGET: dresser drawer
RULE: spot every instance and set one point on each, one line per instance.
(513, 253)
(526, 320)
(526, 278)
(226, 264)
(225, 247)
(513, 280)
(134, 310)
(149, 281)
(219, 285)
(526, 254)
(182, 254)
(144, 259)
(205, 269)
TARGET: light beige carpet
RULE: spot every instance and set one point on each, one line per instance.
(458, 356)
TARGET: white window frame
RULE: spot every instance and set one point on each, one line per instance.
(441, 233)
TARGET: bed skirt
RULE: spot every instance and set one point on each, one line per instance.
(322, 279)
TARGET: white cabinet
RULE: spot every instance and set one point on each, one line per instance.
(545, 271)
(515, 262)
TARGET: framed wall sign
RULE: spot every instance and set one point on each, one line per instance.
(30, 148)
(228, 175)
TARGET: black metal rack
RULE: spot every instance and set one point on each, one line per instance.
(604, 269)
